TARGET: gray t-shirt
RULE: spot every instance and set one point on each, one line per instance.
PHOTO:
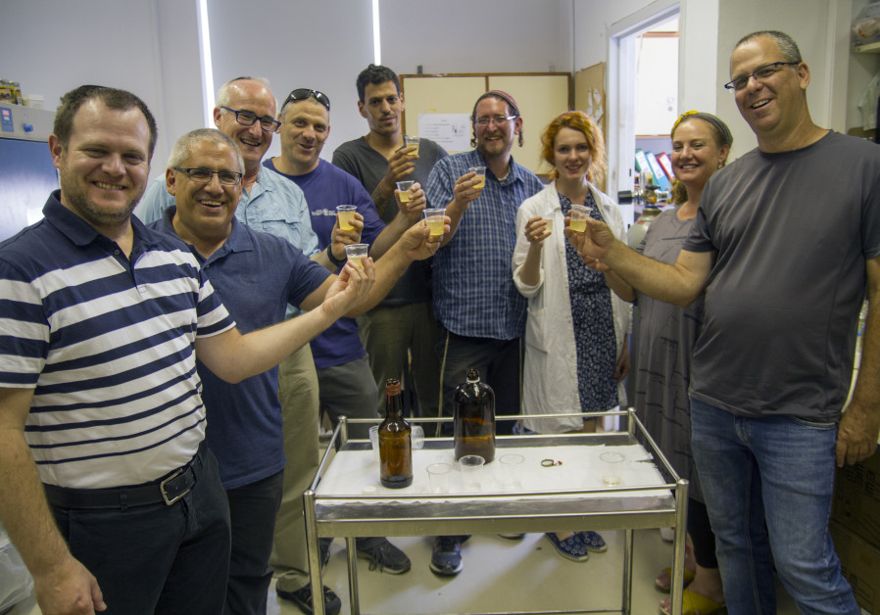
(791, 232)
(369, 167)
(663, 339)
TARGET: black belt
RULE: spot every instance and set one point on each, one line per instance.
(167, 490)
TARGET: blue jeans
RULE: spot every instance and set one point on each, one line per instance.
(768, 485)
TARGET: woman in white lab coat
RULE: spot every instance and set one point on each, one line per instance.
(575, 342)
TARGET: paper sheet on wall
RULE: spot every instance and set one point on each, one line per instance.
(452, 131)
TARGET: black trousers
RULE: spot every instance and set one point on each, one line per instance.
(252, 509)
(159, 559)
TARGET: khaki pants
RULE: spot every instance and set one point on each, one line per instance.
(298, 390)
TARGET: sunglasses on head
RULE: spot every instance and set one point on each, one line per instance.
(304, 94)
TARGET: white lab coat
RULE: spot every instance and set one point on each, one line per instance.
(549, 374)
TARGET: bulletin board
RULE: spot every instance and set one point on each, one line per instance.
(541, 97)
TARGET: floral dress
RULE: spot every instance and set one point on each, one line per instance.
(595, 344)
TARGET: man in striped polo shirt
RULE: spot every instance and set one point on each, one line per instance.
(101, 319)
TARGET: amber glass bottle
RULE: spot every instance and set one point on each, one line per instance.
(474, 418)
(395, 441)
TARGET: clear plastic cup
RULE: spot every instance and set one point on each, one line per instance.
(404, 191)
(412, 144)
(356, 253)
(480, 177)
(436, 219)
(578, 218)
(345, 216)
(471, 470)
(439, 475)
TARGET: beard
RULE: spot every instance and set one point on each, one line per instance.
(98, 216)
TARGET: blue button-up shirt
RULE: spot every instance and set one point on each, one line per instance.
(474, 294)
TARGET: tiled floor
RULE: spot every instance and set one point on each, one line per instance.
(501, 576)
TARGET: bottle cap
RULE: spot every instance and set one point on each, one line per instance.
(473, 375)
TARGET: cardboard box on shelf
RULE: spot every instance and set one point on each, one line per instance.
(857, 499)
(861, 566)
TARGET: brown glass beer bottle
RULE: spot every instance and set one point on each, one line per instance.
(395, 441)
(474, 418)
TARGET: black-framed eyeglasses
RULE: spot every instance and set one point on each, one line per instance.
(305, 93)
(249, 118)
(499, 120)
(204, 175)
(760, 74)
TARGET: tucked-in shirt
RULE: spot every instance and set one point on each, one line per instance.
(474, 294)
(325, 188)
(369, 167)
(257, 275)
(108, 344)
(791, 232)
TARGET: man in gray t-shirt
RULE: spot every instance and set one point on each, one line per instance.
(403, 325)
(785, 245)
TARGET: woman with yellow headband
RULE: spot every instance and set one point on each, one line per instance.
(575, 342)
(663, 339)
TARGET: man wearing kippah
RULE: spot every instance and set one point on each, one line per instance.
(481, 313)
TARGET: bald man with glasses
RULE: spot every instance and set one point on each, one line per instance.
(786, 246)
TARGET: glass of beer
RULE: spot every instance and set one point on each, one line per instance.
(345, 215)
(579, 215)
(412, 145)
(480, 176)
(436, 219)
(356, 253)
(404, 191)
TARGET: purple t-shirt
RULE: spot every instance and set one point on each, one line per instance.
(325, 188)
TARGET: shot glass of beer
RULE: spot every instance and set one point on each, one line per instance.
(436, 219)
(579, 215)
(356, 253)
(412, 145)
(480, 177)
(345, 215)
(404, 188)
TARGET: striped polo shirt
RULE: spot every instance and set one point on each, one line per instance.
(108, 344)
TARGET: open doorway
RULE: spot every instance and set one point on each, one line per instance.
(643, 90)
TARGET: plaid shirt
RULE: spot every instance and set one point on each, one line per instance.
(474, 295)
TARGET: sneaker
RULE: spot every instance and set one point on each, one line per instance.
(303, 599)
(385, 556)
(446, 556)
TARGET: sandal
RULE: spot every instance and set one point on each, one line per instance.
(574, 547)
(594, 542)
(663, 582)
(693, 603)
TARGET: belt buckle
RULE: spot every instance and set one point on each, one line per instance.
(171, 499)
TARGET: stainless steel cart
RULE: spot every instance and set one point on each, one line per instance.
(346, 499)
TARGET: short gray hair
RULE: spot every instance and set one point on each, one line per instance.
(182, 150)
(786, 44)
(224, 95)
